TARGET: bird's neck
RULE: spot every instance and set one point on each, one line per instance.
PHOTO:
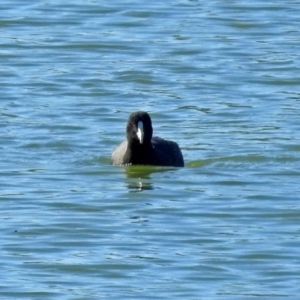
(138, 153)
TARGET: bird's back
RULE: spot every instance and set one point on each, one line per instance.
(167, 152)
(117, 156)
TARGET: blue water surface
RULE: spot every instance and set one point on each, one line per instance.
(219, 78)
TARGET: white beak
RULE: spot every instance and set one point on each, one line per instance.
(140, 132)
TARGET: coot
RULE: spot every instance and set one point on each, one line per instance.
(140, 148)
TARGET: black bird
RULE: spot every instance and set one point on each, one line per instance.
(140, 148)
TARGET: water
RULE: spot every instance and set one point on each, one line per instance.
(221, 79)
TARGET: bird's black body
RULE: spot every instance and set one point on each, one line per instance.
(140, 148)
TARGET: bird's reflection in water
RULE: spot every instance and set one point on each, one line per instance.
(139, 177)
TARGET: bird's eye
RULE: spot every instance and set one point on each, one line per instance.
(133, 125)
